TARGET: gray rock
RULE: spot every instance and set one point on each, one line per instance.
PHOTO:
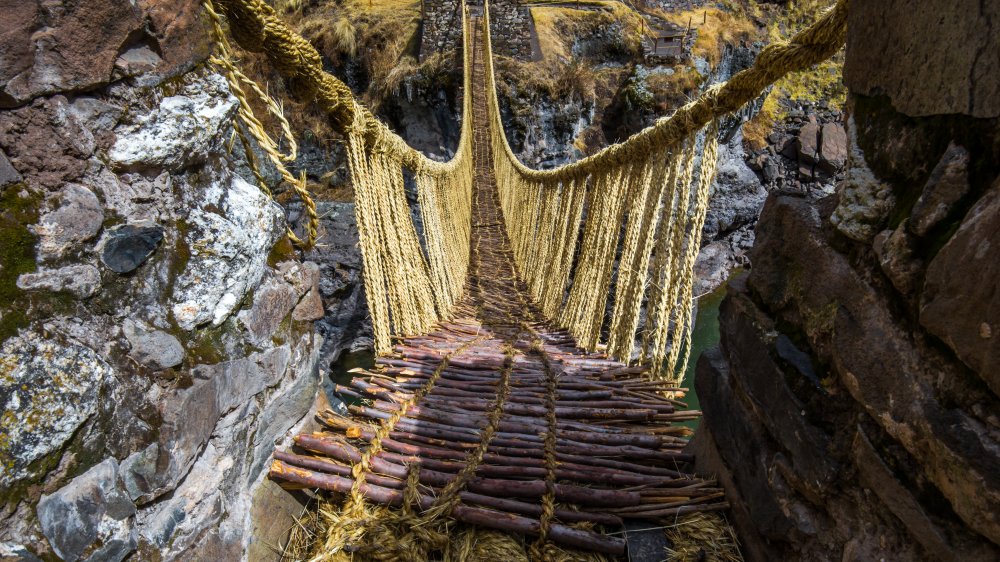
(272, 302)
(178, 133)
(229, 250)
(190, 417)
(96, 114)
(138, 471)
(126, 247)
(961, 299)
(8, 175)
(82, 280)
(864, 207)
(137, 60)
(833, 151)
(47, 390)
(809, 142)
(10, 552)
(310, 306)
(896, 251)
(77, 218)
(90, 508)
(947, 185)
(771, 170)
(154, 348)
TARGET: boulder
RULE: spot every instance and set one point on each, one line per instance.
(48, 389)
(82, 280)
(180, 132)
(833, 150)
(897, 254)
(912, 66)
(191, 415)
(50, 47)
(272, 302)
(232, 229)
(126, 247)
(877, 476)
(808, 142)
(961, 299)
(864, 205)
(46, 142)
(771, 170)
(153, 348)
(90, 517)
(841, 315)
(60, 46)
(947, 185)
(77, 217)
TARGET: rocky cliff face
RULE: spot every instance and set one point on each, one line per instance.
(852, 407)
(156, 333)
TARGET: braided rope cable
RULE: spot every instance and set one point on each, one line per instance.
(223, 61)
(810, 46)
(542, 549)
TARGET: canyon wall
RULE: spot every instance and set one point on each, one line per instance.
(851, 409)
(156, 326)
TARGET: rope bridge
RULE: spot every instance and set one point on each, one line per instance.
(517, 387)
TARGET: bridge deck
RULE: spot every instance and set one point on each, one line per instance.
(485, 388)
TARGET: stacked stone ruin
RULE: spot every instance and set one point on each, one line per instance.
(442, 26)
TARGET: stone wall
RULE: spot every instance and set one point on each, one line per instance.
(852, 407)
(156, 328)
(510, 29)
(440, 27)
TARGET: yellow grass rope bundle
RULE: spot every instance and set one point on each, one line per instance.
(599, 239)
(409, 285)
(224, 61)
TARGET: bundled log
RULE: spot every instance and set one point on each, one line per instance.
(487, 518)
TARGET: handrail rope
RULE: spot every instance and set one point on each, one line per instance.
(256, 27)
(810, 46)
(237, 80)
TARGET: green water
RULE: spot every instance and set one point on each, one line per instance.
(704, 335)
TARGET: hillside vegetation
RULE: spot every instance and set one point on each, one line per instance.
(823, 82)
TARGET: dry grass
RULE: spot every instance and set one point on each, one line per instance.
(379, 35)
(375, 39)
(825, 80)
(559, 27)
(702, 537)
(822, 82)
(716, 28)
(673, 90)
(756, 130)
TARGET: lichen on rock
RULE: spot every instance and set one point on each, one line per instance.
(865, 201)
(48, 389)
(185, 128)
